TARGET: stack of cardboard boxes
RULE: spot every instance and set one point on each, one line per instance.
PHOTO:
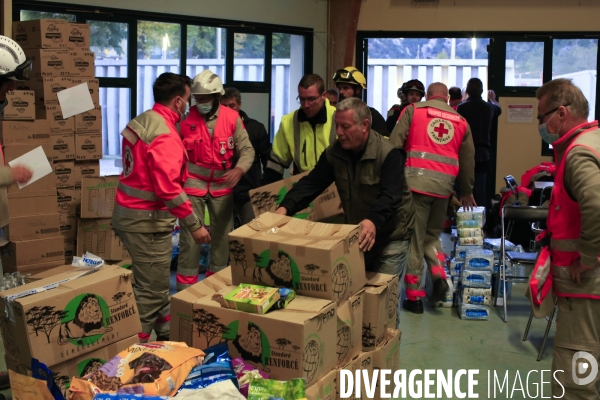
(48, 325)
(342, 317)
(94, 232)
(62, 59)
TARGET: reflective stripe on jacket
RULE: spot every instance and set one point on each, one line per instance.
(432, 148)
(150, 186)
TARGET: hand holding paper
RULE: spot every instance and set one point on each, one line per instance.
(36, 161)
(21, 174)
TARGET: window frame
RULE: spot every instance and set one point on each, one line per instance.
(84, 13)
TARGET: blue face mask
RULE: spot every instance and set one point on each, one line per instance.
(204, 108)
(546, 136)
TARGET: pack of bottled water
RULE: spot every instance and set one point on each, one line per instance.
(474, 278)
(476, 296)
(456, 267)
(473, 311)
(494, 244)
(479, 260)
(9, 281)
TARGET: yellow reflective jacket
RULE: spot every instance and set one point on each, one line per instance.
(297, 142)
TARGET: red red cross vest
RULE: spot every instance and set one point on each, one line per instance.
(209, 158)
(564, 226)
(432, 146)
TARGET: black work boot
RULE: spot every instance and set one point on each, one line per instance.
(414, 306)
(162, 338)
(439, 290)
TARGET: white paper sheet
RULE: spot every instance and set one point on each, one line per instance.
(35, 160)
(75, 100)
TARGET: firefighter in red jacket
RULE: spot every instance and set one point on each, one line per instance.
(439, 148)
(150, 198)
(211, 133)
(574, 238)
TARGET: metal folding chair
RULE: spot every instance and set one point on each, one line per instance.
(522, 262)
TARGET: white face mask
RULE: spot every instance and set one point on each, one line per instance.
(204, 108)
(547, 136)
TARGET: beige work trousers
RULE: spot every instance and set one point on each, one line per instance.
(577, 331)
(220, 211)
(430, 213)
(151, 266)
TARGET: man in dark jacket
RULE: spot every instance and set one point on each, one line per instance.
(262, 148)
(369, 175)
(480, 115)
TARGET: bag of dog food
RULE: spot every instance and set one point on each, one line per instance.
(156, 369)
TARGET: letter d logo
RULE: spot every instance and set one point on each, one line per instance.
(580, 363)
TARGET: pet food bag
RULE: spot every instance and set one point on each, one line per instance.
(156, 369)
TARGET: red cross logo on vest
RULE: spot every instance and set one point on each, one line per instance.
(440, 130)
(127, 162)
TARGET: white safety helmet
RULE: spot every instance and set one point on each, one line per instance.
(207, 82)
(13, 63)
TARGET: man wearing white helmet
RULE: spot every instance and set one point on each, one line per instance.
(211, 134)
(13, 66)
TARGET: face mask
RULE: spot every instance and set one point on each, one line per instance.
(204, 108)
(187, 108)
(546, 136)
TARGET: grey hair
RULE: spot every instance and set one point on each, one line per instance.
(361, 110)
(562, 92)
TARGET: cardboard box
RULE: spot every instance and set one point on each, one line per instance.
(315, 259)
(69, 200)
(381, 306)
(98, 237)
(14, 193)
(33, 227)
(19, 253)
(70, 248)
(324, 389)
(387, 356)
(98, 197)
(46, 89)
(48, 325)
(364, 361)
(79, 366)
(38, 203)
(89, 121)
(68, 226)
(32, 269)
(52, 117)
(21, 105)
(41, 33)
(77, 35)
(49, 62)
(296, 342)
(14, 151)
(349, 328)
(24, 132)
(267, 198)
(93, 87)
(64, 171)
(54, 271)
(86, 169)
(88, 146)
(62, 146)
(81, 63)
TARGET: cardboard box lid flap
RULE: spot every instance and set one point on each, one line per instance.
(295, 231)
(206, 287)
(108, 271)
(379, 279)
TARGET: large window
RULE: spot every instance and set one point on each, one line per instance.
(393, 61)
(132, 48)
